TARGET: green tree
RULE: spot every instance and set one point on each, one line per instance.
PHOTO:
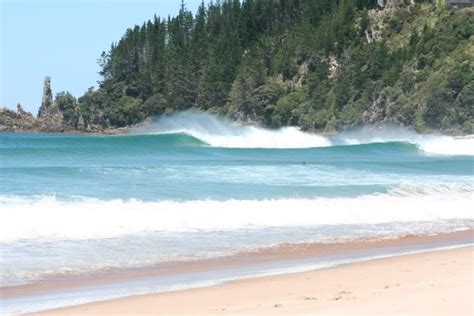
(67, 105)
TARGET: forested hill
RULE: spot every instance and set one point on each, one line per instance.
(317, 64)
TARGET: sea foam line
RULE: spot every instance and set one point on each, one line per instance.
(49, 217)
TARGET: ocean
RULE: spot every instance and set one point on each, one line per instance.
(194, 186)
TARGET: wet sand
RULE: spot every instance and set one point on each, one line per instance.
(430, 283)
(280, 253)
(278, 256)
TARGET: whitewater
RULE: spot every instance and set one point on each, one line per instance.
(220, 132)
(193, 185)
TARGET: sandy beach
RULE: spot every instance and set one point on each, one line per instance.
(431, 283)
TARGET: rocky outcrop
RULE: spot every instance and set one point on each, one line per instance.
(21, 112)
(49, 116)
(19, 120)
(47, 100)
(60, 115)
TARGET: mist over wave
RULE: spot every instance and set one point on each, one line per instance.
(221, 132)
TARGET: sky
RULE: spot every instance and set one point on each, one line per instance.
(63, 39)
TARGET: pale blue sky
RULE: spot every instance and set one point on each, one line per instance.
(64, 39)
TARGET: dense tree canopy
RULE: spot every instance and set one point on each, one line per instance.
(318, 64)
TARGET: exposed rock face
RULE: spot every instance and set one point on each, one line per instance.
(21, 112)
(81, 125)
(376, 113)
(19, 120)
(7, 119)
(47, 100)
(49, 116)
(53, 122)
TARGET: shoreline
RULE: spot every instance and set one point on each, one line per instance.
(126, 130)
(432, 282)
(280, 260)
(106, 132)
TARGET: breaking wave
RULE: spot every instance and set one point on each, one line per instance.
(49, 217)
(220, 132)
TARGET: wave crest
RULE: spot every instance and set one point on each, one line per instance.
(220, 132)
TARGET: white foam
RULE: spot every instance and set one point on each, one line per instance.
(51, 218)
(419, 189)
(253, 137)
(221, 132)
(429, 143)
(445, 145)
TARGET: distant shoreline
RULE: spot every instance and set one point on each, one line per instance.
(134, 128)
(111, 131)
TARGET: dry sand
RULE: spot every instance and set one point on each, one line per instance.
(431, 283)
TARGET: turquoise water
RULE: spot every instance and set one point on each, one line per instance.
(195, 186)
(182, 168)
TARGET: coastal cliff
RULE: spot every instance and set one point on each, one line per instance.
(319, 65)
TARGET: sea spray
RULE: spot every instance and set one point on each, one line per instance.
(221, 132)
